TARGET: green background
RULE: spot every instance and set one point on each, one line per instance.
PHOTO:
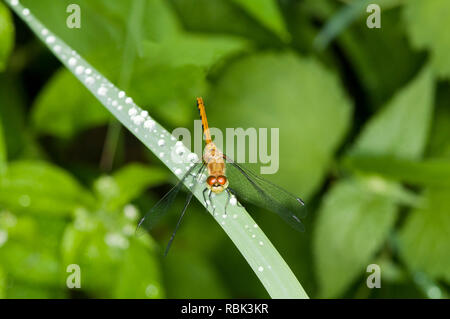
(364, 139)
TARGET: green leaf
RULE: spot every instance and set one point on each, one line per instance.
(439, 142)
(3, 152)
(39, 260)
(20, 290)
(139, 274)
(12, 115)
(401, 127)
(427, 24)
(190, 49)
(128, 183)
(37, 264)
(87, 244)
(6, 35)
(40, 187)
(435, 172)
(3, 283)
(285, 91)
(268, 13)
(353, 222)
(368, 50)
(224, 17)
(423, 239)
(167, 92)
(63, 108)
(196, 271)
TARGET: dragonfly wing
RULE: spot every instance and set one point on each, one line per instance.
(252, 188)
(161, 207)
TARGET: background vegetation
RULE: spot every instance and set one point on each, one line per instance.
(365, 139)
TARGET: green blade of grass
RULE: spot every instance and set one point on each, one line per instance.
(263, 258)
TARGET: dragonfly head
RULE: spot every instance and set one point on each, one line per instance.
(217, 184)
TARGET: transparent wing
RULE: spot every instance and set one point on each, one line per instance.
(250, 187)
(160, 209)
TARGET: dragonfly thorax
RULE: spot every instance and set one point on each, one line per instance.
(217, 182)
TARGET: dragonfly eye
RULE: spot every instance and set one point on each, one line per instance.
(211, 180)
(222, 180)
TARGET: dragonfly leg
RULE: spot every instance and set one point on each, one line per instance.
(210, 201)
(228, 200)
(204, 197)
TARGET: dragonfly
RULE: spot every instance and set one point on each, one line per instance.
(226, 176)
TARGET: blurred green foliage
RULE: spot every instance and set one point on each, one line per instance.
(364, 138)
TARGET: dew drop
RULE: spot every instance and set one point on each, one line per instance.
(161, 143)
(44, 32)
(121, 94)
(180, 150)
(138, 120)
(149, 124)
(178, 171)
(79, 70)
(14, 2)
(88, 71)
(255, 226)
(26, 11)
(233, 201)
(102, 91)
(50, 39)
(114, 103)
(144, 113)
(161, 154)
(90, 80)
(192, 157)
(260, 268)
(261, 243)
(253, 236)
(57, 48)
(128, 100)
(235, 216)
(72, 61)
(132, 111)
